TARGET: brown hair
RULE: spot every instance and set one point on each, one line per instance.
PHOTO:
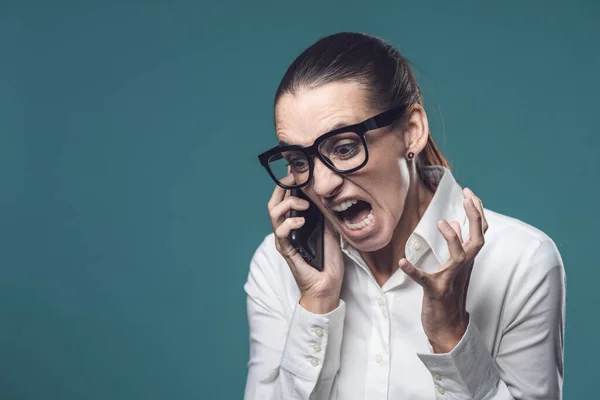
(370, 61)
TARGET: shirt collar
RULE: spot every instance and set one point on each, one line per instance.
(447, 203)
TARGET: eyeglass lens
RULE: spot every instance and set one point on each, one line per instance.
(344, 151)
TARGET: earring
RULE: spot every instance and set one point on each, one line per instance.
(411, 155)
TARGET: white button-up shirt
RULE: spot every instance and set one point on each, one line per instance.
(373, 345)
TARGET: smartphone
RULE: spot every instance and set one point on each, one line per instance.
(309, 240)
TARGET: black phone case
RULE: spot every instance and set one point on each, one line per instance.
(309, 240)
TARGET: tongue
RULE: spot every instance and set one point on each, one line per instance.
(357, 212)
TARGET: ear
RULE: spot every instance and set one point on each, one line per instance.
(416, 129)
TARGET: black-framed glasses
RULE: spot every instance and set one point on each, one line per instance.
(343, 150)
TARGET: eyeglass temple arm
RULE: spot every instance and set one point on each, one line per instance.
(382, 119)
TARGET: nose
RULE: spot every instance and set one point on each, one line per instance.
(326, 183)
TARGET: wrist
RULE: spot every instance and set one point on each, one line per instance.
(319, 305)
(445, 343)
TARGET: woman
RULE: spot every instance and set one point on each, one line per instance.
(389, 316)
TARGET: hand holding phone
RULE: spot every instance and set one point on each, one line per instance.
(320, 278)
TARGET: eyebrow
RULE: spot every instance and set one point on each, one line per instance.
(333, 128)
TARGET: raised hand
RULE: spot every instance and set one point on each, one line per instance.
(444, 315)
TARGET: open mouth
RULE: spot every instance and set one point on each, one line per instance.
(355, 214)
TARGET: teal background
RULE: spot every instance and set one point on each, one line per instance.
(132, 199)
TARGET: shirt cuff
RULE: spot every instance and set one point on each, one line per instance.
(314, 343)
(467, 372)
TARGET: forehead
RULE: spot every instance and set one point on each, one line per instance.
(302, 117)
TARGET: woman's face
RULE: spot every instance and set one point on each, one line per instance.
(378, 191)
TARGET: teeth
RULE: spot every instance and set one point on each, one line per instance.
(367, 220)
(344, 205)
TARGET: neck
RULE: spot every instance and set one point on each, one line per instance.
(384, 262)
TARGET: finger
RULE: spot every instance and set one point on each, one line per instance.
(279, 192)
(420, 277)
(475, 221)
(456, 226)
(282, 234)
(479, 205)
(278, 213)
(455, 248)
(298, 265)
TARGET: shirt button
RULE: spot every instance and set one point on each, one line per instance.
(380, 301)
(378, 358)
(441, 390)
(314, 362)
(317, 347)
(319, 332)
(416, 245)
(437, 376)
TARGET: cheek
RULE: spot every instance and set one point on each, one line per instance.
(397, 189)
(387, 162)
(388, 185)
(400, 185)
(391, 174)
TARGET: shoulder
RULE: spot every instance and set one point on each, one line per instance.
(519, 264)
(518, 274)
(518, 235)
(266, 252)
(518, 248)
(269, 275)
(266, 258)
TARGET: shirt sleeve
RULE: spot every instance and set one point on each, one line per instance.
(529, 361)
(292, 355)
